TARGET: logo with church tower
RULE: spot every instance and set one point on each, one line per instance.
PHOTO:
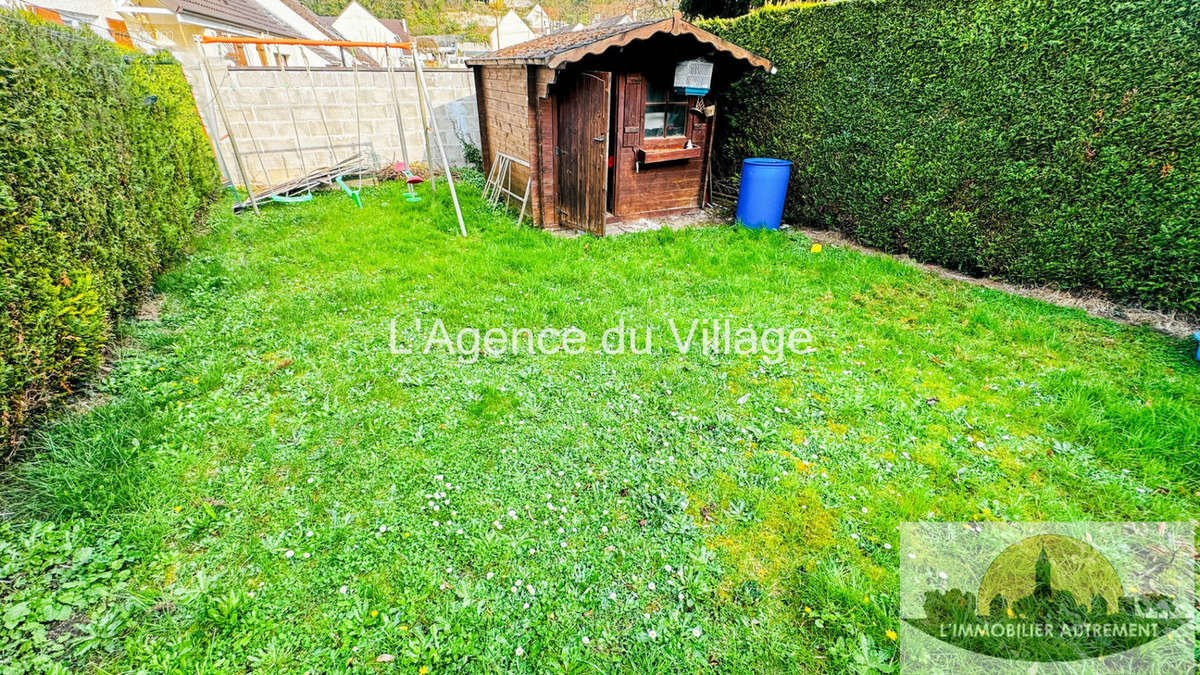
(1056, 598)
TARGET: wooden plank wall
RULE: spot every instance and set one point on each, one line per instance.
(505, 118)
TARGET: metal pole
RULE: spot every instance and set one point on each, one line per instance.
(462, 228)
(250, 133)
(287, 88)
(421, 99)
(525, 199)
(237, 157)
(357, 115)
(312, 83)
(391, 75)
(213, 131)
(214, 135)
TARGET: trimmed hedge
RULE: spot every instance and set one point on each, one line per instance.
(104, 172)
(1045, 141)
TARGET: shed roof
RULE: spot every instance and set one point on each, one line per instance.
(559, 49)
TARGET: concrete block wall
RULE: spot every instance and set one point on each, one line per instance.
(269, 108)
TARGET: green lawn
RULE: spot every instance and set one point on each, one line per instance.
(259, 483)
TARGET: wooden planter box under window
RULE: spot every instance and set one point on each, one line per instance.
(660, 155)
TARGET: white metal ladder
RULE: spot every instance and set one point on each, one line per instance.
(499, 178)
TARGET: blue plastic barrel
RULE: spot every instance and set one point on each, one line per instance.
(764, 186)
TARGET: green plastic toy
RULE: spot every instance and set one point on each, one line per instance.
(353, 193)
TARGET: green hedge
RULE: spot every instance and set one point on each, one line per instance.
(1045, 141)
(104, 171)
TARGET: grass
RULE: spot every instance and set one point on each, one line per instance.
(267, 487)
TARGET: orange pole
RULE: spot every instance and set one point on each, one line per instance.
(237, 40)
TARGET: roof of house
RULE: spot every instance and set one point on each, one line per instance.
(313, 18)
(606, 22)
(558, 49)
(397, 28)
(326, 29)
(244, 13)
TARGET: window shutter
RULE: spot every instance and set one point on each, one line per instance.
(633, 103)
(119, 32)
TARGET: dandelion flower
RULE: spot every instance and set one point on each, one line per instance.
(816, 248)
(891, 635)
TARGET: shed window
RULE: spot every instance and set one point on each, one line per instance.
(666, 110)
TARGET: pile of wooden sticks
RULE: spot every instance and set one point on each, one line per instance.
(357, 165)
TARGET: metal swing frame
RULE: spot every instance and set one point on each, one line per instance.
(333, 174)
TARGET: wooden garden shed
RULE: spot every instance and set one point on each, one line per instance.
(614, 122)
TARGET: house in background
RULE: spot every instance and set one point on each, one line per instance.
(177, 26)
(540, 22)
(356, 23)
(611, 21)
(510, 30)
(448, 51)
(312, 26)
(174, 25)
(98, 16)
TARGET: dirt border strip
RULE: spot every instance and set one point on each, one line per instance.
(1093, 302)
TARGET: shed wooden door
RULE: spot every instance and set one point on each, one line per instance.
(583, 150)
